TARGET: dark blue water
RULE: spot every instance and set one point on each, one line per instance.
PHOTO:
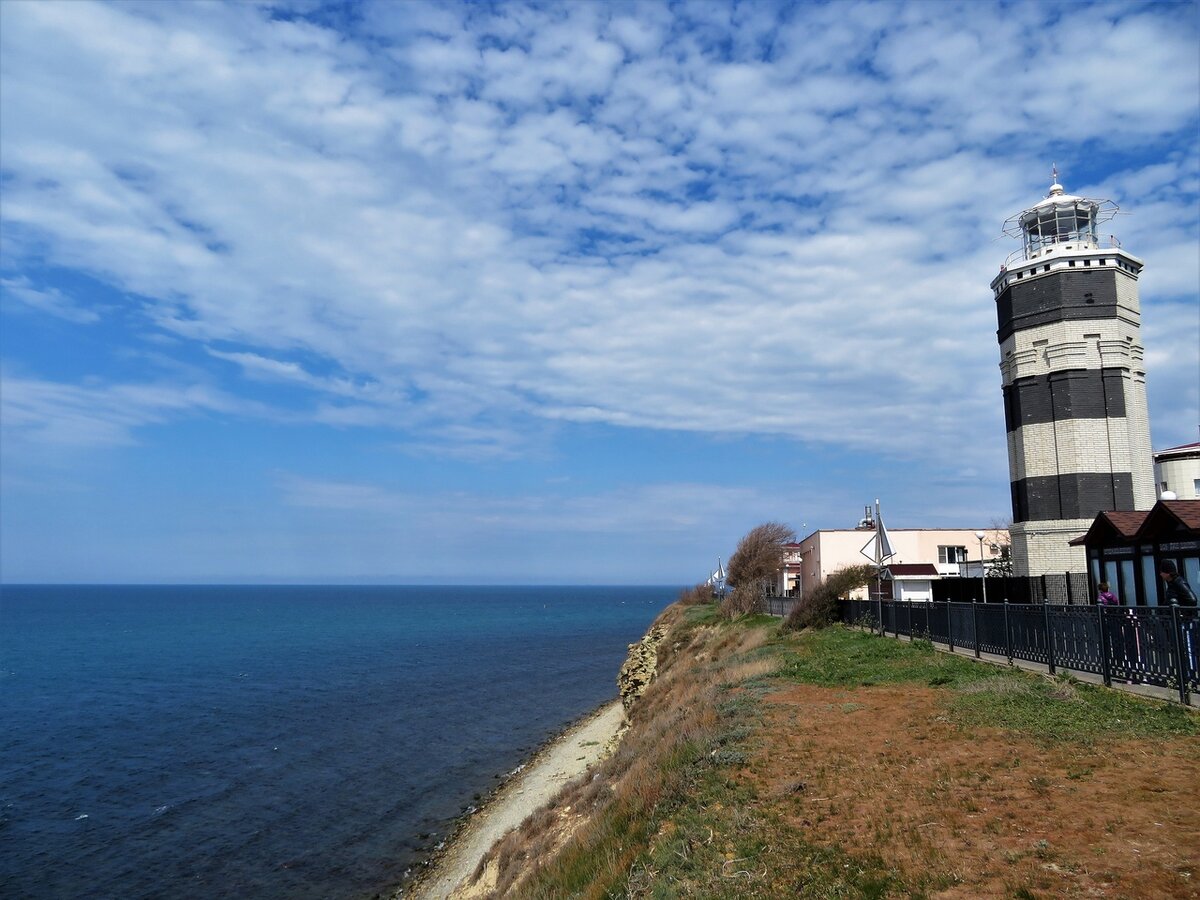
(276, 741)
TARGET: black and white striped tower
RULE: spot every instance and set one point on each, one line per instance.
(1074, 379)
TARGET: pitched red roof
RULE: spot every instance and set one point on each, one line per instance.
(1126, 522)
(1188, 511)
(1130, 526)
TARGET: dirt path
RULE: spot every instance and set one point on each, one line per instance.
(567, 758)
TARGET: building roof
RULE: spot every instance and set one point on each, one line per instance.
(1168, 517)
(1186, 512)
(892, 530)
(1121, 524)
(899, 570)
(1181, 450)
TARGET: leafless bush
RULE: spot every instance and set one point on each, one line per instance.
(819, 607)
(693, 596)
(743, 600)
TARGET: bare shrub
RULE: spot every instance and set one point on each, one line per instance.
(820, 606)
(694, 596)
(744, 600)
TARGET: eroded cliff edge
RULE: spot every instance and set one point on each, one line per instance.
(640, 666)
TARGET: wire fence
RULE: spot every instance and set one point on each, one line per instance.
(1141, 645)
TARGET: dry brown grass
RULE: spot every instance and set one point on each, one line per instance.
(678, 709)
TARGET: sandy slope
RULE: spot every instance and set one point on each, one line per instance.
(568, 757)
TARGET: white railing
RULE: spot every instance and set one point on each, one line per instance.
(1021, 254)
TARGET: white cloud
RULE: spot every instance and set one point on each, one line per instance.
(48, 300)
(44, 414)
(645, 509)
(592, 215)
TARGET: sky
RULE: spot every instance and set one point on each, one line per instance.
(551, 293)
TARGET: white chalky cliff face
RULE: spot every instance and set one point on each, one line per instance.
(1071, 360)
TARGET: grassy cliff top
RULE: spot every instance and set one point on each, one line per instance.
(835, 763)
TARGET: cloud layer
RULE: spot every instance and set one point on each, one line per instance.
(470, 224)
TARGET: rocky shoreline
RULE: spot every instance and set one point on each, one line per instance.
(451, 869)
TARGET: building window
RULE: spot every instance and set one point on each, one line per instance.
(952, 554)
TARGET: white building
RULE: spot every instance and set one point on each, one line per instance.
(1178, 469)
(921, 554)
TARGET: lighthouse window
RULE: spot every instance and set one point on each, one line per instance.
(1071, 264)
(1046, 268)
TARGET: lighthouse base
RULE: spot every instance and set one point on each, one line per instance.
(1042, 548)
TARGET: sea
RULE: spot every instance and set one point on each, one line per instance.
(278, 742)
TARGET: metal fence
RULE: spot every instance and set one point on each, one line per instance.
(779, 606)
(1142, 645)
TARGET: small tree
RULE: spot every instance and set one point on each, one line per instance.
(998, 536)
(819, 607)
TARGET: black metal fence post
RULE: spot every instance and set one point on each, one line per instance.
(1007, 633)
(949, 627)
(975, 626)
(1105, 666)
(1049, 635)
(1180, 667)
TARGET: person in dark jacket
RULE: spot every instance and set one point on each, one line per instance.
(1178, 590)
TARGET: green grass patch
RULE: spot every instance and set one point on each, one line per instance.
(1064, 710)
(1048, 709)
(842, 657)
(704, 614)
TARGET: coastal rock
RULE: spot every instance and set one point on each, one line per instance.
(640, 666)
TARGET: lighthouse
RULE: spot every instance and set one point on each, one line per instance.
(1074, 379)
